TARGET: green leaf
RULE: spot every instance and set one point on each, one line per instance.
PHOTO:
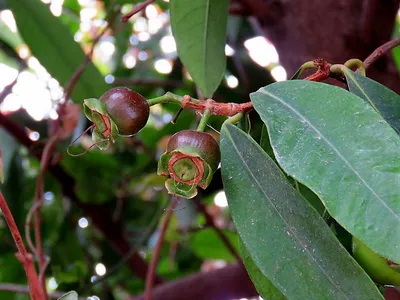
(285, 237)
(263, 285)
(199, 28)
(207, 244)
(72, 295)
(382, 99)
(53, 45)
(336, 144)
(8, 147)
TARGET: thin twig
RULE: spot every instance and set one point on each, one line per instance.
(78, 73)
(134, 11)
(23, 256)
(210, 222)
(23, 289)
(381, 51)
(156, 254)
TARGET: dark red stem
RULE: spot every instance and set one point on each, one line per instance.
(23, 256)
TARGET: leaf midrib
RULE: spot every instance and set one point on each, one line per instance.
(205, 49)
(281, 101)
(282, 218)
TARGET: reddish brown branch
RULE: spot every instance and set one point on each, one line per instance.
(157, 249)
(134, 11)
(323, 70)
(381, 51)
(210, 222)
(216, 108)
(23, 256)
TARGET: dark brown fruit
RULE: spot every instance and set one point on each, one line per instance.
(128, 109)
(196, 142)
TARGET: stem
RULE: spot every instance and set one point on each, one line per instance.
(307, 65)
(157, 249)
(210, 222)
(381, 51)
(138, 8)
(23, 256)
(204, 119)
(354, 62)
(167, 98)
(234, 119)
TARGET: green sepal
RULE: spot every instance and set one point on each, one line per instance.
(207, 176)
(95, 111)
(92, 104)
(180, 189)
(162, 168)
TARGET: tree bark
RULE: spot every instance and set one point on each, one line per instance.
(335, 30)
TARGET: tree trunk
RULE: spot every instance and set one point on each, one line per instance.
(336, 30)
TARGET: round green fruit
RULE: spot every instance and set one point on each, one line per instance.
(128, 109)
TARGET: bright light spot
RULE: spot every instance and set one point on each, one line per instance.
(140, 24)
(52, 283)
(154, 25)
(23, 51)
(151, 11)
(34, 95)
(129, 60)
(34, 135)
(229, 51)
(105, 50)
(143, 36)
(46, 1)
(279, 73)
(261, 51)
(232, 81)
(92, 279)
(84, 26)
(41, 72)
(142, 254)
(260, 298)
(11, 75)
(166, 0)
(220, 199)
(143, 55)
(11, 103)
(78, 36)
(53, 114)
(133, 40)
(85, 2)
(83, 223)
(109, 79)
(88, 14)
(168, 44)
(48, 197)
(7, 17)
(100, 269)
(56, 7)
(163, 66)
(93, 298)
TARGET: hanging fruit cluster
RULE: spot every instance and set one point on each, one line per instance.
(191, 156)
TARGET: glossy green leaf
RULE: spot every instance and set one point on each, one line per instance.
(207, 244)
(381, 98)
(336, 144)
(285, 237)
(53, 45)
(199, 28)
(8, 147)
(262, 284)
